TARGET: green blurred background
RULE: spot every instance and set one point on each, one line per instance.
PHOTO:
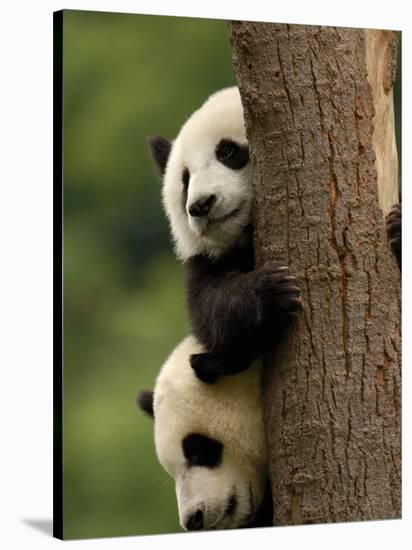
(126, 77)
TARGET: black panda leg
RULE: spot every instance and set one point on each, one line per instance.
(209, 367)
(394, 231)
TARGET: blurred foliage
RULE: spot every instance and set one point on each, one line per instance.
(125, 77)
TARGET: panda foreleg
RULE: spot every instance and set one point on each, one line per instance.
(236, 316)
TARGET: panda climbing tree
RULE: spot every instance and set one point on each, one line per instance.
(318, 105)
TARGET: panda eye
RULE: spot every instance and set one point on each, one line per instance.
(228, 151)
(201, 450)
(232, 154)
(185, 178)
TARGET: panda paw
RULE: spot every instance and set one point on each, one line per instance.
(206, 367)
(278, 292)
(393, 229)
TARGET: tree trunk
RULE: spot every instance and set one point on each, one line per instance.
(323, 175)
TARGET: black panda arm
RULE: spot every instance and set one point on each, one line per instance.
(394, 231)
(237, 312)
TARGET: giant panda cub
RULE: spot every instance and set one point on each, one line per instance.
(210, 440)
(235, 309)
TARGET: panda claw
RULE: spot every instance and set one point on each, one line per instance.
(291, 289)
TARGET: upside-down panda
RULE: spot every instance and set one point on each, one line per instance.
(210, 440)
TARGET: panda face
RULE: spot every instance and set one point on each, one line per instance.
(216, 486)
(208, 189)
(210, 440)
(212, 489)
(216, 190)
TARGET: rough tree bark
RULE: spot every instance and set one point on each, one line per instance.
(312, 96)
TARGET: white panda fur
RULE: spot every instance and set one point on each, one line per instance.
(221, 116)
(229, 411)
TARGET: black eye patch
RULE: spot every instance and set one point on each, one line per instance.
(231, 154)
(200, 450)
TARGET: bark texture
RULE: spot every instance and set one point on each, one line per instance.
(332, 396)
(381, 66)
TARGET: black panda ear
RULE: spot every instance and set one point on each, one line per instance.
(160, 149)
(145, 402)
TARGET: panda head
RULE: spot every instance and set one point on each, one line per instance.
(210, 440)
(207, 177)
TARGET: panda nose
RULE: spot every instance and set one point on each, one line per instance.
(202, 206)
(195, 521)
